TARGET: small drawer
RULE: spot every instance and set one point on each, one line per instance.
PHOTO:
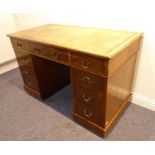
(29, 82)
(38, 49)
(58, 55)
(88, 80)
(24, 60)
(26, 70)
(30, 79)
(90, 64)
(89, 113)
(20, 45)
(95, 99)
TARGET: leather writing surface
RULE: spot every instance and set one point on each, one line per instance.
(95, 41)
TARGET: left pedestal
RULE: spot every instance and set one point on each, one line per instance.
(41, 77)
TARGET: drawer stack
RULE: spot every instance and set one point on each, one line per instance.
(89, 90)
(42, 77)
(25, 63)
(28, 73)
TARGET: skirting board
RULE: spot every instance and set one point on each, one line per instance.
(7, 66)
(138, 99)
(143, 101)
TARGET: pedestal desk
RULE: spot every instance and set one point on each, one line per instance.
(99, 63)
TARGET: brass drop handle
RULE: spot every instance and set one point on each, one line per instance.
(85, 64)
(19, 45)
(55, 54)
(29, 82)
(26, 72)
(86, 79)
(86, 98)
(37, 49)
(86, 114)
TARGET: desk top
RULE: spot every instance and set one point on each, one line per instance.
(95, 41)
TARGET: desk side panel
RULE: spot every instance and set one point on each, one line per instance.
(119, 91)
(120, 59)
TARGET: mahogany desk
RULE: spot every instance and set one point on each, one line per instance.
(99, 63)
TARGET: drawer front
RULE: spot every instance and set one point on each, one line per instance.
(49, 52)
(90, 64)
(29, 77)
(38, 49)
(20, 45)
(27, 71)
(58, 55)
(95, 99)
(88, 80)
(89, 113)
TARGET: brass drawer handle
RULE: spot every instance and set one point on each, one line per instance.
(29, 82)
(85, 65)
(86, 114)
(37, 49)
(86, 98)
(19, 45)
(55, 54)
(26, 71)
(87, 79)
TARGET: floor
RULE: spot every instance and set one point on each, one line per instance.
(23, 117)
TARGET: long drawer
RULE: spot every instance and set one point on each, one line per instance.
(54, 54)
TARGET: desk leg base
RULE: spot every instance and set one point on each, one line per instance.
(89, 125)
(33, 92)
(98, 129)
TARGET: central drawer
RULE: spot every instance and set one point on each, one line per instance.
(51, 53)
(58, 54)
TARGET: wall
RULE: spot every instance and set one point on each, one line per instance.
(125, 15)
(7, 25)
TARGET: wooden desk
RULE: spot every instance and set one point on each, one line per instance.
(99, 62)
